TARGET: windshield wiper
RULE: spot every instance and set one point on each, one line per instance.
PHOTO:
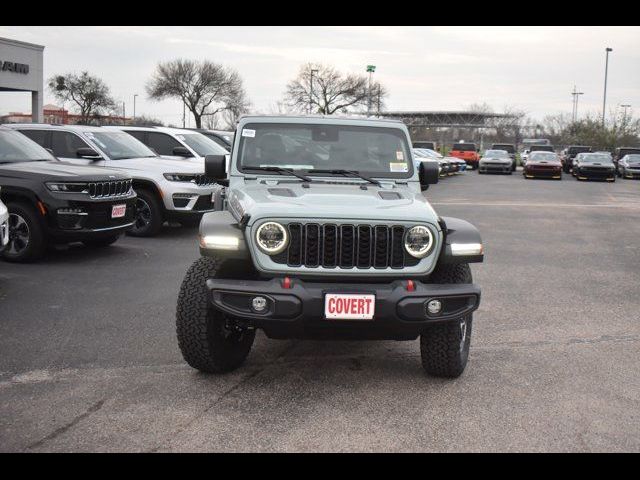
(279, 170)
(352, 173)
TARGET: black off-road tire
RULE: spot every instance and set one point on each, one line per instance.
(156, 218)
(203, 337)
(444, 347)
(101, 241)
(37, 240)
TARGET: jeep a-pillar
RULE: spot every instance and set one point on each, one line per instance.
(326, 235)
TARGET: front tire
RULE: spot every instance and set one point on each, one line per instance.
(209, 340)
(444, 347)
(148, 215)
(27, 239)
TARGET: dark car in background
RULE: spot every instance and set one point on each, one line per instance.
(510, 149)
(53, 202)
(543, 165)
(594, 166)
(570, 153)
(541, 148)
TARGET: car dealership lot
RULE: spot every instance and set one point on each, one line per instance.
(89, 359)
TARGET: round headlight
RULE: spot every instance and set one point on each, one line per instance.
(418, 241)
(272, 238)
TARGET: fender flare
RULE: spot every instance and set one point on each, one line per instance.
(462, 242)
(222, 236)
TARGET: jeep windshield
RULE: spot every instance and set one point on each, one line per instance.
(119, 145)
(325, 150)
(15, 147)
(575, 150)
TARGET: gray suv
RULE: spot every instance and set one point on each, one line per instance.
(325, 234)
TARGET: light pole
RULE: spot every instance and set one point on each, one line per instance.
(123, 113)
(624, 118)
(574, 115)
(313, 70)
(606, 71)
(370, 70)
(134, 106)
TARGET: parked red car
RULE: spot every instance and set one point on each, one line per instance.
(467, 152)
(543, 165)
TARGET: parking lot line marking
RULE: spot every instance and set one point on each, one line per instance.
(540, 205)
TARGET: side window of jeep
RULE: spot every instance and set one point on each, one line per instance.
(65, 144)
(162, 143)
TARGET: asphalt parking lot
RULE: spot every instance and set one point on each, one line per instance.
(89, 359)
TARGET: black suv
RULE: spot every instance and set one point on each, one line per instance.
(570, 153)
(54, 202)
(510, 149)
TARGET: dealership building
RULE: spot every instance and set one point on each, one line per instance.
(21, 71)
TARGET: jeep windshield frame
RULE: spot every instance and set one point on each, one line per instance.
(371, 151)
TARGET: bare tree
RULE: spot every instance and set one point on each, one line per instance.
(331, 91)
(89, 93)
(206, 88)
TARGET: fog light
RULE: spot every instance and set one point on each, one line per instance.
(434, 307)
(259, 304)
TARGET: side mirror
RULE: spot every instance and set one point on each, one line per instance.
(428, 174)
(215, 166)
(89, 153)
(181, 152)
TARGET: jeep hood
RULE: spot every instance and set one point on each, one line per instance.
(331, 201)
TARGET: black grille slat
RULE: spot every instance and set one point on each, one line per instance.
(347, 246)
(381, 250)
(365, 244)
(295, 245)
(312, 245)
(330, 246)
(397, 248)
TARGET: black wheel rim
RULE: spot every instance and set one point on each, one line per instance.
(19, 235)
(143, 214)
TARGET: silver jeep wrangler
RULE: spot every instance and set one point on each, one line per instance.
(325, 234)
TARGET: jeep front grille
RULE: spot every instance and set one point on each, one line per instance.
(345, 246)
(204, 180)
(119, 188)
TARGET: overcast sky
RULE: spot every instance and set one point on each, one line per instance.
(424, 68)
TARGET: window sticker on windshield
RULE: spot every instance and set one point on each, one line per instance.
(247, 132)
(399, 155)
(398, 167)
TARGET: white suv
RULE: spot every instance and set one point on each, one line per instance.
(168, 190)
(175, 143)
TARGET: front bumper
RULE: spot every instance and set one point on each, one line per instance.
(186, 197)
(543, 173)
(495, 167)
(79, 220)
(298, 311)
(595, 174)
(631, 172)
